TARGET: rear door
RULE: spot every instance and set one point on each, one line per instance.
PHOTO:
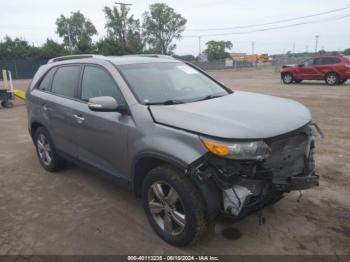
(59, 107)
(101, 136)
(328, 64)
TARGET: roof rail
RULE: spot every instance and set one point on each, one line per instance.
(72, 57)
(153, 55)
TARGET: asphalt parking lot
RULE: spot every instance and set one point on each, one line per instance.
(77, 212)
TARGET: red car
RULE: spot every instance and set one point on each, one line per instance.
(332, 69)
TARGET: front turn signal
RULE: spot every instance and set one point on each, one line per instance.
(216, 148)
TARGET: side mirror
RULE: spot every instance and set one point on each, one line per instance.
(300, 65)
(105, 104)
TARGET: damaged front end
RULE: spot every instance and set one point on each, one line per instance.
(251, 175)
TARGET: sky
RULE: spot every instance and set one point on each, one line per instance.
(34, 21)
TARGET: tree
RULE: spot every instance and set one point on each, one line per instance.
(77, 32)
(109, 47)
(16, 48)
(347, 51)
(161, 25)
(217, 49)
(51, 49)
(123, 30)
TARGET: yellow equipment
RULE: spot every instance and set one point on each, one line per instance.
(20, 94)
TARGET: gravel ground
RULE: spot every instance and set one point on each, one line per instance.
(77, 212)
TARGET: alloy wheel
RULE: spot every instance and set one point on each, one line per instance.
(166, 208)
(44, 150)
(332, 79)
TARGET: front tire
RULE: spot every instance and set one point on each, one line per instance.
(46, 152)
(173, 206)
(332, 79)
(287, 78)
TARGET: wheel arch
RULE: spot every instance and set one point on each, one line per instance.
(145, 162)
(209, 191)
(34, 126)
(330, 72)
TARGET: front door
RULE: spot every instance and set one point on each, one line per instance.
(308, 69)
(101, 136)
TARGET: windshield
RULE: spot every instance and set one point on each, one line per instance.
(169, 83)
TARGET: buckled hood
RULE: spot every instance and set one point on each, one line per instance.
(240, 115)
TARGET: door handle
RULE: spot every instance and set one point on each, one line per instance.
(79, 119)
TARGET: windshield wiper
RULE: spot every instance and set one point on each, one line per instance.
(167, 102)
(208, 97)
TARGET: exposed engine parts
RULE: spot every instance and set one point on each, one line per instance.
(250, 185)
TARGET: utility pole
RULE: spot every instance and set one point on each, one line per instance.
(69, 38)
(253, 47)
(199, 45)
(307, 49)
(126, 26)
(316, 43)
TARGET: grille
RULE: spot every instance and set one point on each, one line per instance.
(288, 155)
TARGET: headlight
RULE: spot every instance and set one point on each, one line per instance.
(251, 150)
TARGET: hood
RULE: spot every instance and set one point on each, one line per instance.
(240, 115)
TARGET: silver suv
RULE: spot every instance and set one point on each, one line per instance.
(190, 147)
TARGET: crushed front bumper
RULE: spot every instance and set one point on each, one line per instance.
(248, 186)
(300, 183)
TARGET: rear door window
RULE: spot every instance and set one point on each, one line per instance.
(45, 84)
(66, 80)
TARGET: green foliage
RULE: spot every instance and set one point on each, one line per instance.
(109, 47)
(123, 31)
(347, 51)
(16, 48)
(162, 25)
(217, 49)
(51, 49)
(77, 32)
(125, 35)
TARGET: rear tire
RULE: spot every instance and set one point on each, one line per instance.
(46, 151)
(179, 220)
(332, 79)
(287, 78)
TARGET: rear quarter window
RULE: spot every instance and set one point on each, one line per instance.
(330, 60)
(66, 80)
(45, 83)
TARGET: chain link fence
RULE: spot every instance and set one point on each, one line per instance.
(26, 68)
(22, 68)
(223, 64)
